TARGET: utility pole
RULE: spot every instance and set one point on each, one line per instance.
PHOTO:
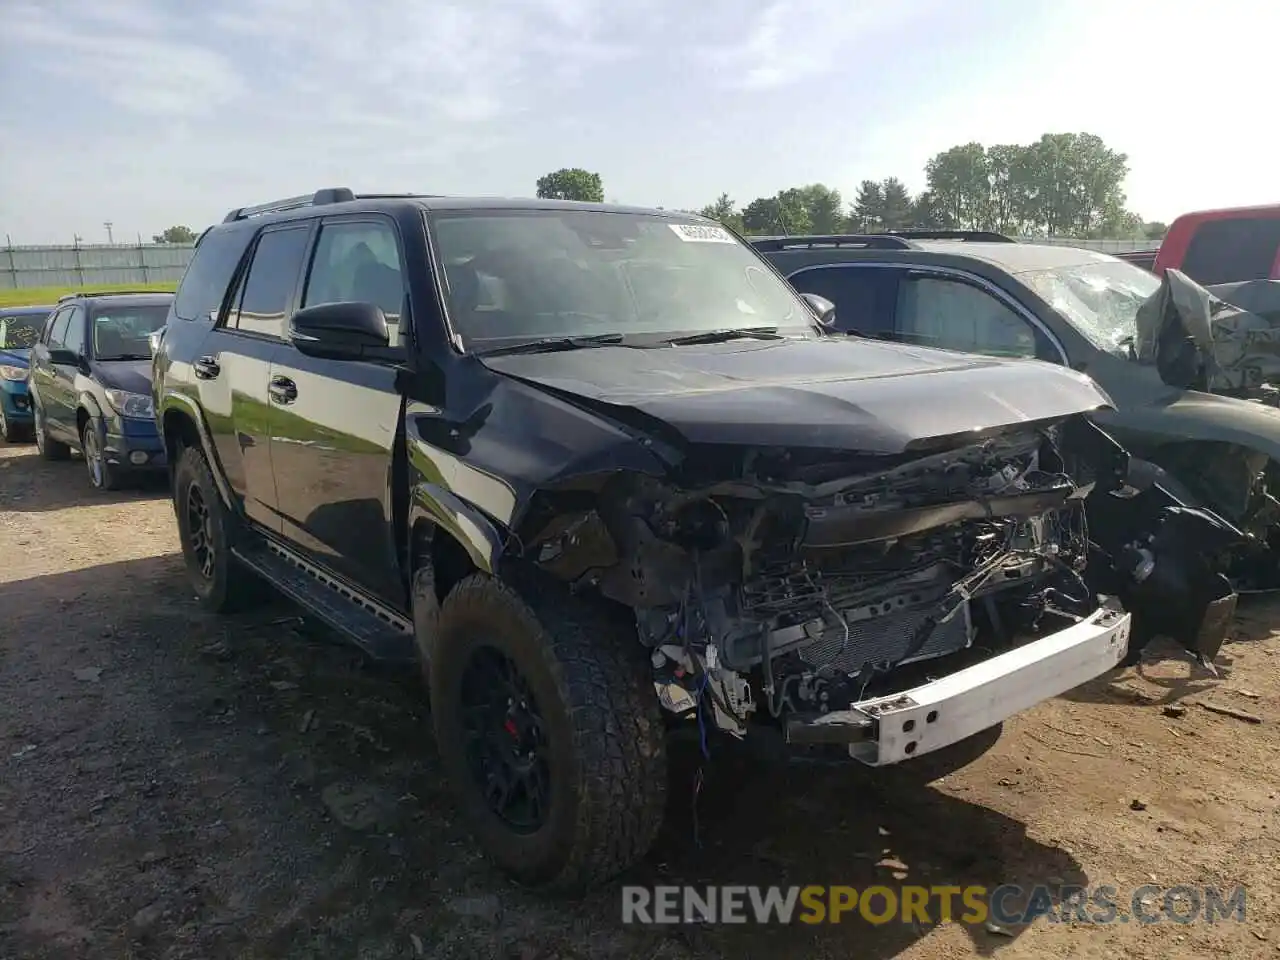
(108, 224)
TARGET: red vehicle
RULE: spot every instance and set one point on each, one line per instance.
(1224, 246)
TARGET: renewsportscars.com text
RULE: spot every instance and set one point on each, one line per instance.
(1008, 904)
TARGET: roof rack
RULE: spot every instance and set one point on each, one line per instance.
(971, 236)
(111, 293)
(319, 198)
(879, 241)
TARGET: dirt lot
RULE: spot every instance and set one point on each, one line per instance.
(174, 785)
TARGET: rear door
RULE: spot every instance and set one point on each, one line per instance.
(335, 423)
(41, 372)
(48, 380)
(233, 366)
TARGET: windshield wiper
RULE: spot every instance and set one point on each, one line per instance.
(737, 333)
(553, 344)
(128, 356)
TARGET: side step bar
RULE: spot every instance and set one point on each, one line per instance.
(381, 633)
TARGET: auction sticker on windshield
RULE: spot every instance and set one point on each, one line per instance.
(698, 233)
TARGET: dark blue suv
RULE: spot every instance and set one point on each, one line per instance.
(91, 384)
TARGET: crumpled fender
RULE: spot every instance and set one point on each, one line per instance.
(1196, 416)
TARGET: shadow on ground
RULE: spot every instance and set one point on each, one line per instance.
(178, 785)
(31, 484)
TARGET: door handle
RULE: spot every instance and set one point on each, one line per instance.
(282, 390)
(206, 368)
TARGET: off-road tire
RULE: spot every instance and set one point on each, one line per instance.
(606, 740)
(49, 448)
(229, 587)
(426, 618)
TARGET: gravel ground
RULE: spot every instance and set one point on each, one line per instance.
(174, 785)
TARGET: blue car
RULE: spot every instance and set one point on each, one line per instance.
(91, 384)
(19, 330)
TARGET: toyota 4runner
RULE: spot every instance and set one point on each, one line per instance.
(601, 472)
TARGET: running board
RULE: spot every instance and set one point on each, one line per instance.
(381, 633)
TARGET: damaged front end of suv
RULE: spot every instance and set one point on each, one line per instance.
(890, 603)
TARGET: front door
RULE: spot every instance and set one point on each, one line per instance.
(334, 423)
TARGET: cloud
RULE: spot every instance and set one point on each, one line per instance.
(125, 52)
(791, 41)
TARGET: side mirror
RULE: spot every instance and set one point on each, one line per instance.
(153, 340)
(62, 357)
(822, 308)
(339, 331)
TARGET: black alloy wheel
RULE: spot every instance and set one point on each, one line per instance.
(506, 740)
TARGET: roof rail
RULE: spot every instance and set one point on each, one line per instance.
(112, 293)
(317, 199)
(879, 241)
(972, 236)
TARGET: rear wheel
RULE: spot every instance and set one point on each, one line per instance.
(49, 448)
(221, 583)
(549, 731)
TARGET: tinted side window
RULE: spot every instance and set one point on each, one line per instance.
(74, 338)
(1221, 251)
(58, 327)
(954, 315)
(271, 281)
(864, 296)
(205, 282)
(358, 262)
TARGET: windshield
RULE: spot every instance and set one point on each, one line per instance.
(123, 333)
(1100, 298)
(522, 275)
(21, 332)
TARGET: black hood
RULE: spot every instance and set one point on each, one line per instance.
(131, 375)
(832, 393)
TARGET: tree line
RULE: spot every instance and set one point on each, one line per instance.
(1062, 185)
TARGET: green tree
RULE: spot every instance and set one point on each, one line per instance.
(868, 208)
(784, 212)
(1154, 230)
(959, 180)
(824, 207)
(1076, 184)
(571, 183)
(725, 211)
(178, 234)
(895, 210)
(927, 214)
(1011, 187)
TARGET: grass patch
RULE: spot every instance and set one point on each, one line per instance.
(28, 296)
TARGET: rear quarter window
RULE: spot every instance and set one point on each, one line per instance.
(1222, 251)
(209, 274)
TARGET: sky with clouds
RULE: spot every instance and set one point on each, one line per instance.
(154, 112)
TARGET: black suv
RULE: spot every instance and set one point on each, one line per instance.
(983, 293)
(601, 472)
(90, 384)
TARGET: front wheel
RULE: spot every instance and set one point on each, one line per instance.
(221, 583)
(103, 475)
(9, 432)
(549, 731)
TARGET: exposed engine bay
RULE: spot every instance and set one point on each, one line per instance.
(808, 578)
